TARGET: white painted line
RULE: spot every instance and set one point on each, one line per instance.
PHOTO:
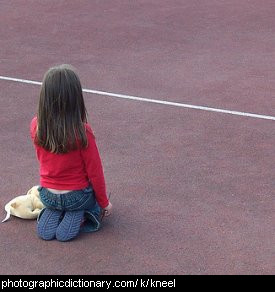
(157, 101)
(20, 80)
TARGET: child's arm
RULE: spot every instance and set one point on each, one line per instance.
(94, 170)
(33, 126)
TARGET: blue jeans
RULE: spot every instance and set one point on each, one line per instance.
(75, 200)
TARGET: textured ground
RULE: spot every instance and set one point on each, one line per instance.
(193, 191)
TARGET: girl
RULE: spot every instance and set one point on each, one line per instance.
(71, 174)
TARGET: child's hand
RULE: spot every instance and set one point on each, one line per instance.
(107, 210)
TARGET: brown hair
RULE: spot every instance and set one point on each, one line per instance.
(61, 111)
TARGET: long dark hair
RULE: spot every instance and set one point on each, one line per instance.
(61, 111)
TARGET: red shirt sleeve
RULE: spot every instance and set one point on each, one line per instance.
(33, 127)
(94, 168)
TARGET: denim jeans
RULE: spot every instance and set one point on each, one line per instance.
(75, 200)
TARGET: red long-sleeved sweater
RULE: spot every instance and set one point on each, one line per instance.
(73, 170)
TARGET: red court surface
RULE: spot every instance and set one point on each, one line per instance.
(192, 190)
